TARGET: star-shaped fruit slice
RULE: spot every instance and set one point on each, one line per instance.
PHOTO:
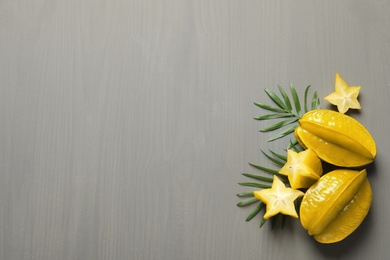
(344, 97)
(303, 169)
(279, 199)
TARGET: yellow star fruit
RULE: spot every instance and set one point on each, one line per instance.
(336, 205)
(279, 199)
(344, 97)
(336, 138)
(303, 168)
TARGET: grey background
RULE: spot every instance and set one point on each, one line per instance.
(126, 125)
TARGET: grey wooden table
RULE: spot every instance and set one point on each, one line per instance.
(126, 125)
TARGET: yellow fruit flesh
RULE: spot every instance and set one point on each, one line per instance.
(279, 199)
(324, 201)
(350, 218)
(344, 97)
(302, 181)
(303, 168)
(336, 138)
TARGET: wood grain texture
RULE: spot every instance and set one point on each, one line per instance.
(126, 124)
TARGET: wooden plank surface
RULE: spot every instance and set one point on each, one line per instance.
(126, 124)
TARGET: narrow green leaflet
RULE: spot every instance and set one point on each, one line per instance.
(262, 222)
(247, 202)
(255, 211)
(305, 97)
(256, 185)
(315, 102)
(258, 177)
(245, 194)
(267, 170)
(296, 101)
(286, 99)
(268, 107)
(276, 99)
(275, 159)
(283, 134)
(280, 156)
(273, 116)
(279, 125)
(293, 145)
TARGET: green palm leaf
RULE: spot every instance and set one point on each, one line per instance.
(282, 108)
(285, 111)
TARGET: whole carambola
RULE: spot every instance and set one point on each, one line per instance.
(336, 138)
(336, 205)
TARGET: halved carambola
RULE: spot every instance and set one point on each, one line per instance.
(336, 138)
